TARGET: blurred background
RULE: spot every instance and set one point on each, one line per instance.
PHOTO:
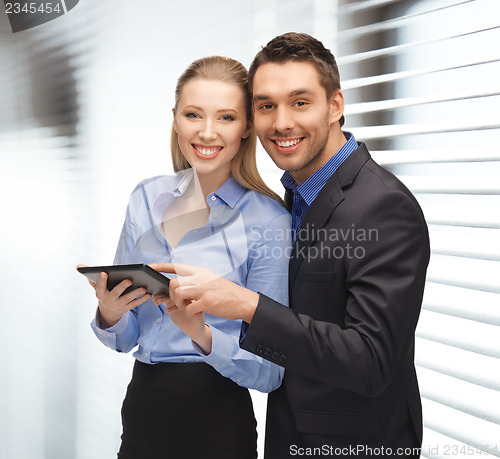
(85, 114)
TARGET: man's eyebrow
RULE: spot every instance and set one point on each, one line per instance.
(260, 97)
(294, 93)
(299, 92)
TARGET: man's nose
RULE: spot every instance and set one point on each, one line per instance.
(284, 119)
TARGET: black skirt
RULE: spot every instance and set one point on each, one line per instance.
(186, 410)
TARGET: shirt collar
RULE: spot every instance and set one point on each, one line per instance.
(288, 181)
(184, 179)
(310, 188)
(230, 192)
(162, 192)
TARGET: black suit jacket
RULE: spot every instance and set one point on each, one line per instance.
(356, 281)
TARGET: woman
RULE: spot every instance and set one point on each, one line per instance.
(188, 395)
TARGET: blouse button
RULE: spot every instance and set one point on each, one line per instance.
(213, 197)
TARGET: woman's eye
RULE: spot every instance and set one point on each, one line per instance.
(227, 118)
(191, 115)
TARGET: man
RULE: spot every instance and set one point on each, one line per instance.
(356, 274)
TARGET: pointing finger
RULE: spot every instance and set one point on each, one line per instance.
(174, 268)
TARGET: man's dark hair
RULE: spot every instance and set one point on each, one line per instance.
(299, 47)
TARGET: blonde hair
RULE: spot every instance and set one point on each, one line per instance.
(244, 164)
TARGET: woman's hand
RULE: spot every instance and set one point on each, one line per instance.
(112, 306)
(193, 326)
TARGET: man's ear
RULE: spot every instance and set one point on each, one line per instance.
(174, 122)
(336, 106)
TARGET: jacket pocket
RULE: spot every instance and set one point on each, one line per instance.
(338, 424)
(315, 276)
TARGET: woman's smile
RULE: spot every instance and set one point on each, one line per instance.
(206, 151)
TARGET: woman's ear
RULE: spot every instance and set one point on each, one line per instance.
(336, 106)
(174, 122)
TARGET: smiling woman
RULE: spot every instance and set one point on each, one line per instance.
(225, 73)
(210, 121)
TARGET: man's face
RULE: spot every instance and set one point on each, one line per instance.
(294, 118)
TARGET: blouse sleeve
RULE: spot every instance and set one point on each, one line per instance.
(269, 251)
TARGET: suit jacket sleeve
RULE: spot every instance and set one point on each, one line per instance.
(384, 290)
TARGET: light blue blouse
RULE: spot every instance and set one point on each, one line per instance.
(247, 239)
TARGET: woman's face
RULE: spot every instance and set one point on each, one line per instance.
(210, 121)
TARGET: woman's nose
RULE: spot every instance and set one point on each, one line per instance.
(207, 132)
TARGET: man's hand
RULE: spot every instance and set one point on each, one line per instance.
(197, 290)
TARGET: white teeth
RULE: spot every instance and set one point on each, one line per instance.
(287, 143)
(207, 151)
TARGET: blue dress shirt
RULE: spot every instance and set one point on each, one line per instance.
(246, 239)
(305, 193)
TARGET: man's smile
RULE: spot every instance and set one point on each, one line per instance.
(287, 145)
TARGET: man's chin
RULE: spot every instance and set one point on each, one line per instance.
(288, 165)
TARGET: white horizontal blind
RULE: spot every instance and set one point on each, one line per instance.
(422, 86)
(52, 400)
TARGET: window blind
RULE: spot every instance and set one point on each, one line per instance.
(421, 84)
(51, 368)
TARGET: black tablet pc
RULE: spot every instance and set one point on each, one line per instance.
(141, 276)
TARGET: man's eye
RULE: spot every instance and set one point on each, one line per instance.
(266, 107)
(300, 104)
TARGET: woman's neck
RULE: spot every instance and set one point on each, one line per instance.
(210, 183)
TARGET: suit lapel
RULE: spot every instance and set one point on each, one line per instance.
(320, 211)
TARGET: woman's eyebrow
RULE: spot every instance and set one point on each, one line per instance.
(191, 107)
(227, 110)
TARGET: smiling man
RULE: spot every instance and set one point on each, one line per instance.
(294, 118)
(356, 275)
